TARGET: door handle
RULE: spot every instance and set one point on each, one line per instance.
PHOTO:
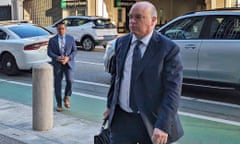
(190, 46)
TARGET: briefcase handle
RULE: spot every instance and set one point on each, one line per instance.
(104, 124)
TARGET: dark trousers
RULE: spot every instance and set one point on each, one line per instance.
(128, 128)
(58, 76)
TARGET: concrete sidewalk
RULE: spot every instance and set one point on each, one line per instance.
(16, 126)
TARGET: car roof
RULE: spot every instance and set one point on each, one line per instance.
(219, 11)
(13, 23)
(88, 17)
(211, 12)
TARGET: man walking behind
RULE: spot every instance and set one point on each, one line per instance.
(62, 50)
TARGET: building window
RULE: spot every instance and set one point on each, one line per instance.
(119, 15)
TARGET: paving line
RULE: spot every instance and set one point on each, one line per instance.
(235, 123)
(182, 97)
(90, 96)
(92, 83)
(15, 82)
(211, 102)
(92, 63)
(107, 86)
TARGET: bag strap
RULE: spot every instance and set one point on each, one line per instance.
(104, 124)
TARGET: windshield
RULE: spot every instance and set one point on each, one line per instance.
(27, 31)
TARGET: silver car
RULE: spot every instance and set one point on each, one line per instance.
(210, 46)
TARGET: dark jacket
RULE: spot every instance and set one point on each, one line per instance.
(158, 84)
(54, 50)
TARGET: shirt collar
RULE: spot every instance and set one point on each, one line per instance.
(145, 40)
(59, 36)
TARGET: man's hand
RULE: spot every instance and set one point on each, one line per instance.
(159, 136)
(65, 60)
(60, 59)
(106, 113)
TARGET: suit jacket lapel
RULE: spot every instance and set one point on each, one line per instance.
(56, 43)
(124, 47)
(152, 49)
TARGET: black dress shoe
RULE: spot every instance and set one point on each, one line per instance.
(59, 108)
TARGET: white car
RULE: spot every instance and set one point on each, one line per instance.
(88, 31)
(209, 44)
(108, 56)
(21, 46)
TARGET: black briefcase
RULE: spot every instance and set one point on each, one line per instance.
(103, 136)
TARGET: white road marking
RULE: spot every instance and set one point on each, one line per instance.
(15, 82)
(224, 121)
(211, 102)
(107, 86)
(209, 86)
(92, 63)
(182, 97)
(209, 118)
(90, 96)
(92, 83)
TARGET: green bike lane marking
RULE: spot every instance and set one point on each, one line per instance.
(81, 107)
(197, 131)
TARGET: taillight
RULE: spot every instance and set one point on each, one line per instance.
(35, 46)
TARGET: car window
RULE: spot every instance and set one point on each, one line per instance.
(26, 31)
(74, 22)
(188, 28)
(78, 22)
(3, 35)
(225, 27)
(67, 22)
(104, 23)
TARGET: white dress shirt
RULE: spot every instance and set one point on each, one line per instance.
(60, 38)
(126, 79)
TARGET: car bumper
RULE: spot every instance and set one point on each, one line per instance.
(32, 58)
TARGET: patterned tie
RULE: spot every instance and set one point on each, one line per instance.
(135, 64)
(62, 46)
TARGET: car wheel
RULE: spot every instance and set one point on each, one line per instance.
(9, 65)
(88, 44)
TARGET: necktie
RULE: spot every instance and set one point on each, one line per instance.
(62, 46)
(135, 64)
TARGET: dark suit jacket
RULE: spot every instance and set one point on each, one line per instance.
(157, 84)
(54, 50)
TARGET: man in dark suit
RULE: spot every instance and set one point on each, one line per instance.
(146, 83)
(62, 50)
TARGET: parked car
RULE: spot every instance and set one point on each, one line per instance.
(209, 42)
(108, 55)
(88, 31)
(21, 46)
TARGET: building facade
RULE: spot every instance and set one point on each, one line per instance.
(46, 12)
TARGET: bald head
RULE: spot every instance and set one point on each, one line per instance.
(147, 5)
(142, 18)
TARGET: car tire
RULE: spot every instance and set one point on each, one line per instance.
(9, 64)
(88, 44)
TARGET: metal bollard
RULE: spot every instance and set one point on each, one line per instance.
(42, 97)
